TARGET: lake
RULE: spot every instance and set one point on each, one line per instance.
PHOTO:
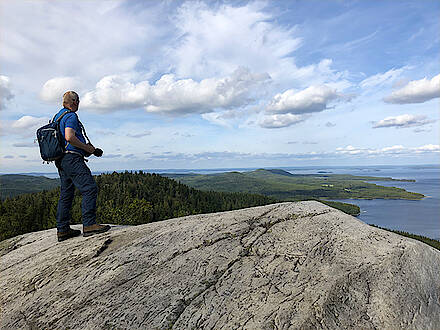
(418, 217)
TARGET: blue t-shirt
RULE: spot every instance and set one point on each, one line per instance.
(71, 120)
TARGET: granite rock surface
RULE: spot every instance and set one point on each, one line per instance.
(283, 266)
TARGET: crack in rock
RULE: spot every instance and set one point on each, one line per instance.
(207, 243)
(104, 247)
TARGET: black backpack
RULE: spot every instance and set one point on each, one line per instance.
(51, 141)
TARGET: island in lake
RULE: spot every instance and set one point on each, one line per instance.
(286, 186)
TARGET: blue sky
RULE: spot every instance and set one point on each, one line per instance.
(211, 84)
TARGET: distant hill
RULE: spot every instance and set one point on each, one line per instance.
(16, 184)
(274, 171)
(294, 187)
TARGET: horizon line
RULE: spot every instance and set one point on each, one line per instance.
(234, 168)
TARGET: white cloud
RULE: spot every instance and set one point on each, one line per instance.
(403, 121)
(281, 120)
(231, 156)
(26, 126)
(168, 95)
(350, 150)
(172, 96)
(311, 99)
(116, 93)
(54, 89)
(185, 135)
(428, 148)
(5, 91)
(112, 155)
(382, 78)
(421, 130)
(100, 39)
(343, 152)
(349, 46)
(213, 40)
(417, 34)
(392, 150)
(25, 145)
(216, 40)
(290, 107)
(27, 122)
(416, 91)
(396, 148)
(218, 118)
(227, 118)
(139, 135)
(105, 132)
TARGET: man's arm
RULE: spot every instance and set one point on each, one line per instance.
(70, 136)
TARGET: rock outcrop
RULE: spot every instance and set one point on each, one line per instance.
(283, 266)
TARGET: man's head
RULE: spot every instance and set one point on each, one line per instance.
(71, 100)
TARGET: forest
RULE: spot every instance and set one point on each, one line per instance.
(12, 185)
(128, 198)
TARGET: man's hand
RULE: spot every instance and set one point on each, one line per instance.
(98, 152)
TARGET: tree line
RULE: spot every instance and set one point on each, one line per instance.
(129, 198)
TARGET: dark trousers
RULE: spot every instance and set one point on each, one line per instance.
(74, 173)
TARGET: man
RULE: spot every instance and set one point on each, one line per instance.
(74, 173)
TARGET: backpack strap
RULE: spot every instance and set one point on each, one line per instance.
(82, 128)
(60, 117)
(80, 124)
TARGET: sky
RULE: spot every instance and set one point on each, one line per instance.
(221, 84)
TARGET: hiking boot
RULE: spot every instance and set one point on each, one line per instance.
(94, 229)
(62, 236)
